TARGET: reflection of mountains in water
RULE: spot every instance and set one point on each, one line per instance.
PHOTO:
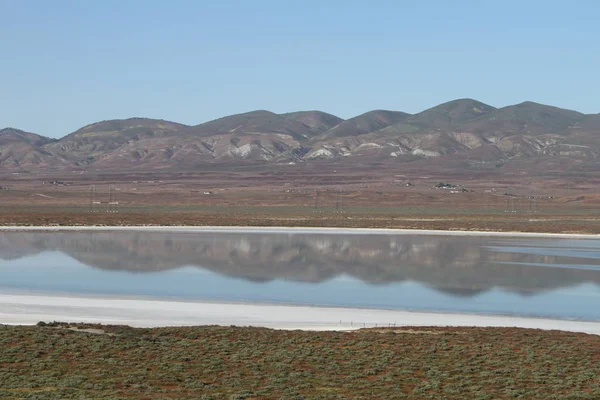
(457, 265)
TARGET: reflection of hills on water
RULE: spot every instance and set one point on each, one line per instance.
(457, 265)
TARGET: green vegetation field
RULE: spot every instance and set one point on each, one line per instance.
(101, 362)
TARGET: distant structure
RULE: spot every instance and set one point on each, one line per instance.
(93, 201)
(510, 201)
(318, 201)
(532, 206)
(339, 201)
(111, 205)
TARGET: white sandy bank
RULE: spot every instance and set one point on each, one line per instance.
(294, 230)
(26, 309)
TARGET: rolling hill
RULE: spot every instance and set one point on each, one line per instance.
(365, 123)
(451, 114)
(95, 141)
(526, 118)
(463, 128)
(318, 121)
(20, 149)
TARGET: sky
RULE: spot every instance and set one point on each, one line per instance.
(66, 63)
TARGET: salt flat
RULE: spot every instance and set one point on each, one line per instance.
(30, 308)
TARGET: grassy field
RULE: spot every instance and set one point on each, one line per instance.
(109, 362)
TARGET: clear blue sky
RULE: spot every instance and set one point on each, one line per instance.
(64, 64)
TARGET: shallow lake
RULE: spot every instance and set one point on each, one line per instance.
(550, 277)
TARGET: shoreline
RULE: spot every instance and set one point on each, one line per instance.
(292, 230)
(30, 308)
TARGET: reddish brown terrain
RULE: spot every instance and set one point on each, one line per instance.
(343, 198)
(58, 361)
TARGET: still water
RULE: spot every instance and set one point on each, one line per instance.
(557, 278)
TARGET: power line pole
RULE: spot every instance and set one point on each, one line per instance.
(109, 198)
(339, 200)
(112, 205)
(510, 201)
(530, 204)
(532, 207)
(92, 193)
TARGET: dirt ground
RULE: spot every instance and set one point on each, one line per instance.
(555, 223)
(333, 198)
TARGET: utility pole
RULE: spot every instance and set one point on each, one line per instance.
(529, 208)
(339, 200)
(112, 205)
(92, 198)
(510, 201)
(532, 207)
(109, 198)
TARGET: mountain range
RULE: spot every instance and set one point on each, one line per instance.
(459, 129)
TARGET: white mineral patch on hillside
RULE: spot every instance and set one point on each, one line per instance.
(425, 153)
(243, 151)
(366, 146)
(320, 153)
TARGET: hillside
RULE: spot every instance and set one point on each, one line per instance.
(95, 141)
(455, 130)
(20, 149)
(365, 123)
(317, 121)
(253, 123)
(527, 118)
(588, 123)
(451, 114)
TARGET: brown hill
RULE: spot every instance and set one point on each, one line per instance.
(317, 121)
(188, 151)
(463, 129)
(365, 123)
(526, 118)
(590, 123)
(252, 123)
(93, 142)
(451, 114)
(20, 149)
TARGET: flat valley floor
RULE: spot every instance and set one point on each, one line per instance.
(296, 197)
